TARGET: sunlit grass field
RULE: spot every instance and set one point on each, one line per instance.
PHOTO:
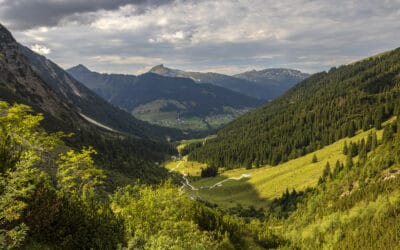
(190, 168)
(267, 182)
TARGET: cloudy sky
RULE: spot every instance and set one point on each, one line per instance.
(226, 36)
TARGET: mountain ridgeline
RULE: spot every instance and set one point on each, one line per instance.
(318, 111)
(91, 104)
(265, 84)
(126, 145)
(166, 100)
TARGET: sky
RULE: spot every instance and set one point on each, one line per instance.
(224, 36)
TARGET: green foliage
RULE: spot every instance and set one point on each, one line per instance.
(187, 149)
(345, 148)
(22, 147)
(314, 159)
(131, 157)
(32, 207)
(156, 216)
(77, 174)
(209, 171)
(358, 208)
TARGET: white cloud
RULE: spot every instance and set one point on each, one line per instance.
(41, 49)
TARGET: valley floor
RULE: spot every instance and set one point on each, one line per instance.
(257, 186)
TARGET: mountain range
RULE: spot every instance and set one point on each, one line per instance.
(265, 84)
(169, 101)
(69, 106)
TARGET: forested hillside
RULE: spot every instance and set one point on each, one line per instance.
(355, 206)
(169, 101)
(318, 111)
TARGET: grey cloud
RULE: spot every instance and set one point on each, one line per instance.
(303, 34)
(26, 14)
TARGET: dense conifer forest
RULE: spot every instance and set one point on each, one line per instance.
(317, 112)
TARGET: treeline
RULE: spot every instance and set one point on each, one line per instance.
(133, 158)
(190, 148)
(317, 112)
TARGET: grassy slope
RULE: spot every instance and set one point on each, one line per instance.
(183, 166)
(266, 182)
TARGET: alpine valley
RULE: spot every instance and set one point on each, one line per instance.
(169, 101)
(173, 159)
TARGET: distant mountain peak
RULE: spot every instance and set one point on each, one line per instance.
(80, 67)
(162, 70)
(159, 66)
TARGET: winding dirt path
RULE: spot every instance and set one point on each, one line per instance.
(186, 183)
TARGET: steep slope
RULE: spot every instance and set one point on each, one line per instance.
(90, 104)
(266, 89)
(121, 152)
(19, 83)
(171, 101)
(317, 112)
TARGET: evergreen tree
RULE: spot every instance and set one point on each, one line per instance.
(337, 168)
(327, 174)
(314, 159)
(349, 162)
(345, 148)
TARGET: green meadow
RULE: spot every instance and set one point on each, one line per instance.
(266, 182)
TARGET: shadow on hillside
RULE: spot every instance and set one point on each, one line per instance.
(230, 193)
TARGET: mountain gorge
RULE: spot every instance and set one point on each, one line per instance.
(266, 84)
(169, 101)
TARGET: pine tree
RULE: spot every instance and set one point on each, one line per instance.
(374, 141)
(326, 174)
(337, 168)
(349, 162)
(345, 148)
(314, 159)
(362, 154)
